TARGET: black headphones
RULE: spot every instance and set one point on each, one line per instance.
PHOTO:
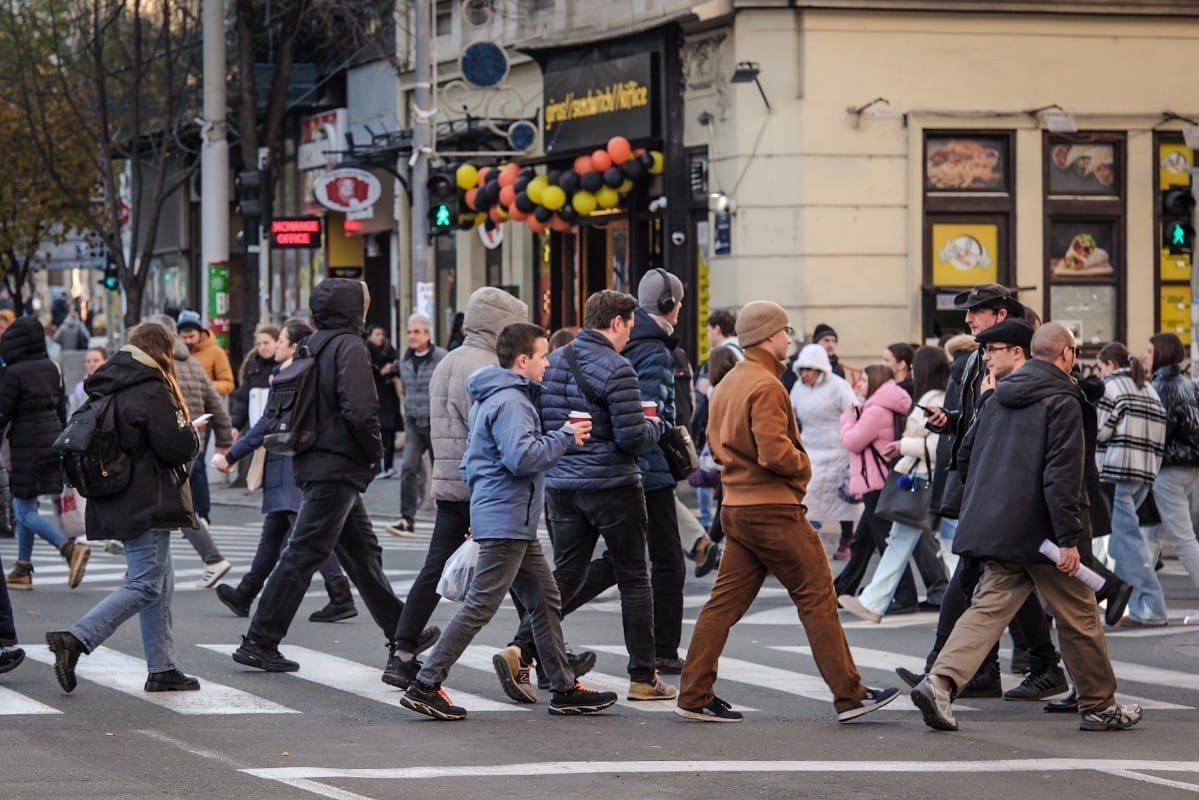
(666, 301)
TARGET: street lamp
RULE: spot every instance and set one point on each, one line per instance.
(747, 72)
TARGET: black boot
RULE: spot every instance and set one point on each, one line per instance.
(66, 649)
(237, 600)
(341, 602)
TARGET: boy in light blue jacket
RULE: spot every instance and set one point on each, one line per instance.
(507, 456)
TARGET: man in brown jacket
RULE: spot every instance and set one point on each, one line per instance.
(752, 432)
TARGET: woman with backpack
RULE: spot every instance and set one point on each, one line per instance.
(152, 425)
(33, 407)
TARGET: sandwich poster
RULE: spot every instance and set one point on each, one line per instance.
(1081, 249)
(965, 254)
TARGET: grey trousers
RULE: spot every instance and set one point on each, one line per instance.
(412, 472)
(201, 540)
(520, 565)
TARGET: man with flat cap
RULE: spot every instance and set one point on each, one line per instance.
(752, 432)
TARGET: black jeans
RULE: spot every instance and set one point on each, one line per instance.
(8, 628)
(449, 531)
(275, 527)
(618, 515)
(331, 519)
(872, 535)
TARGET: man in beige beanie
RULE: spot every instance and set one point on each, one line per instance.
(752, 432)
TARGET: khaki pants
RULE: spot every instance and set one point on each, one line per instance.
(778, 540)
(1003, 589)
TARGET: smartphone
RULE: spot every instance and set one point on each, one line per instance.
(926, 409)
(201, 418)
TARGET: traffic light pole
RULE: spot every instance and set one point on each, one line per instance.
(214, 151)
(1194, 281)
(423, 141)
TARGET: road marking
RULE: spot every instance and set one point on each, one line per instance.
(127, 674)
(14, 703)
(360, 679)
(787, 615)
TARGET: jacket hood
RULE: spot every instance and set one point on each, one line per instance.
(181, 352)
(336, 304)
(488, 311)
(646, 328)
(1033, 382)
(486, 381)
(958, 368)
(892, 397)
(813, 356)
(123, 370)
(24, 340)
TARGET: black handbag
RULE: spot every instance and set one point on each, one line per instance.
(905, 498)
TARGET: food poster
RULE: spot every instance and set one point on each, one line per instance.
(965, 254)
(1082, 169)
(1081, 249)
(955, 164)
(1175, 312)
(1174, 163)
(1089, 311)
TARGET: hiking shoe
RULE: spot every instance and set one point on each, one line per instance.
(76, 556)
(934, 705)
(1114, 718)
(400, 672)
(234, 600)
(66, 649)
(404, 528)
(580, 700)
(212, 574)
(656, 689)
(513, 672)
(912, 679)
(1117, 603)
(171, 680)
(1021, 661)
(431, 702)
(21, 576)
(580, 664)
(854, 606)
(669, 666)
(873, 701)
(10, 658)
(985, 683)
(428, 637)
(715, 711)
(267, 659)
(1038, 687)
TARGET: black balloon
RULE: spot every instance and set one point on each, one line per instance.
(633, 169)
(553, 176)
(543, 214)
(592, 181)
(569, 181)
(568, 213)
(489, 224)
(492, 189)
(521, 183)
(613, 177)
(646, 160)
(528, 174)
(524, 203)
(493, 175)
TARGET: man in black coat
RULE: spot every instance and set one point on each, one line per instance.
(332, 474)
(1031, 434)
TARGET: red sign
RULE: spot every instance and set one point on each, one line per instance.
(296, 232)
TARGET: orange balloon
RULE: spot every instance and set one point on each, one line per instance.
(497, 215)
(559, 224)
(534, 225)
(600, 160)
(639, 151)
(470, 198)
(583, 165)
(507, 193)
(508, 174)
(482, 179)
(516, 214)
(619, 149)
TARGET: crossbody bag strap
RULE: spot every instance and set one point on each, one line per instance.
(584, 386)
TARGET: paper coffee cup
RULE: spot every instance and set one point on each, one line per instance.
(650, 408)
(579, 416)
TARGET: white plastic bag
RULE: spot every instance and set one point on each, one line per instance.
(72, 513)
(459, 572)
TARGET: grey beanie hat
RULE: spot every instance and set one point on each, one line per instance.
(653, 285)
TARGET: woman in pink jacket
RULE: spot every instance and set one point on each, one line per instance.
(865, 431)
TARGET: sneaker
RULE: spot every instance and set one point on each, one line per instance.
(212, 574)
(233, 600)
(1191, 619)
(431, 702)
(715, 711)
(10, 658)
(255, 655)
(400, 672)
(403, 528)
(854, 606)
(873, 701)
(513, 672)
(985, 683)
(669, 666)
(1114, 718)
(842, 553)
(171, 681)
(76, 555)
(580, 700)
(1066, 705)
(934, 705)
(580, 664)
(1117, 603)
(656, 689)
(21, 576)
(1131, 622)
(912, 679)
(1038, 687)
(114, 547)
(66, 649)
(1021, 661)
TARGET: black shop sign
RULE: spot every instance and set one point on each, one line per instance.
(593, 99)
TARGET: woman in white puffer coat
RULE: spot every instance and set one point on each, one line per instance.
(819, 398)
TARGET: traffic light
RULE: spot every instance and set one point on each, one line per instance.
(248, 187)
(1178, 231)
(443, 203)
(112, 279)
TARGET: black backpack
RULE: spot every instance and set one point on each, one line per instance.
(90, 450)
(291, 408)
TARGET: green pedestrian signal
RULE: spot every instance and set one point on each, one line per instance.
(1178, 236)
(443, 203)
(442, 218)
(1177, 210)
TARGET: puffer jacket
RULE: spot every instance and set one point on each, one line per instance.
(416, 384)
(619, 430)
(153, 429)
(866, 430)
(389, 401)
(216, 364)
(488, 311)
(918, 440)
(1181, 402)
(507, 455)
(258, 376)
(33, 407)
(650, 351)
(200, 395)
(347, 447)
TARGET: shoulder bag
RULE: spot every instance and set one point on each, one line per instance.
(905, 498)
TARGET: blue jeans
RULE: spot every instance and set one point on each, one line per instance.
(29, 523)
(149, 585)
(892, 566)
(947, 529)
(1176, 491)
(706, 498)
(1127, 546)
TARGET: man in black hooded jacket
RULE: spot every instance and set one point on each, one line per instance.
(332, 474)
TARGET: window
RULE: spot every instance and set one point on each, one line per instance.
(443, 14)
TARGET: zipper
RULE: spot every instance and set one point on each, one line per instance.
(529, 507)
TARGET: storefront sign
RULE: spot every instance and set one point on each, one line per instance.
(289, 233)
(218, 302)
(591, 101)
(349, 190)
(722, 233)
(964, 255)
(321, 137)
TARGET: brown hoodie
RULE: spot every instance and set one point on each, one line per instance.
(752, 432)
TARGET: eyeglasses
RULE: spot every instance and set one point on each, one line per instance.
(1075, 349)
(998, 348)
(790, 332)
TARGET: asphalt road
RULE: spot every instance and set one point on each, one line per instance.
(334, 730)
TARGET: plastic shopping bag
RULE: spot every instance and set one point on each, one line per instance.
(72, 513)
(459, 572)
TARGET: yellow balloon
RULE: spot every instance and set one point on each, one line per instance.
(625, 187)
(480, 218)
(607, 197)
(536, 187)
(553, 198)
(466, 176)
(659, 163)
(583, 202)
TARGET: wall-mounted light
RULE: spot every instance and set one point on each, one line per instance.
(1054, 119)
(748, 72)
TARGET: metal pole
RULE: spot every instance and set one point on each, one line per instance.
(422, 147)
(214, 152)
(1194, 282)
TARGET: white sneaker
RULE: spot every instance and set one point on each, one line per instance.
(212, 574)
(1191, 619)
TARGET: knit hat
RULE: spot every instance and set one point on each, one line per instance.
(189, 319)
(821, 331)
(760, 320)
(654, 284)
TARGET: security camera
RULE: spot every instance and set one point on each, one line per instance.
(677, 238)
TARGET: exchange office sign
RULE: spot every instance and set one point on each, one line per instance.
(588, 103)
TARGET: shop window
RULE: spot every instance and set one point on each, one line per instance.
(1085, 260)
(1173, 273)
(443, 17)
